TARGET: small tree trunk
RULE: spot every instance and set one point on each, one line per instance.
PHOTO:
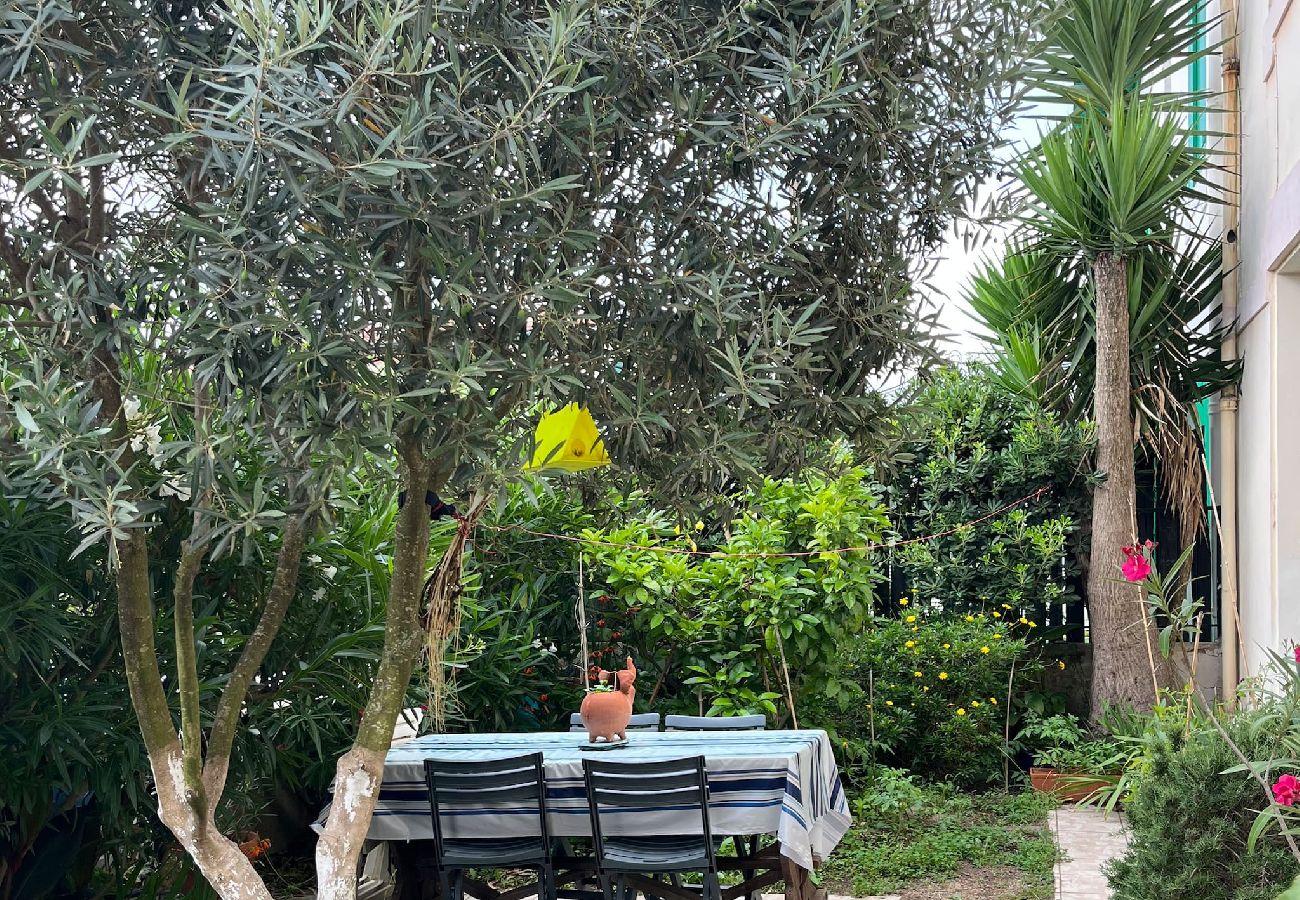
(182, 806)
(1120, 629)
(360, 771)
(219, 859)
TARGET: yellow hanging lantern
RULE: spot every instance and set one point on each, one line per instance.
(567, 439)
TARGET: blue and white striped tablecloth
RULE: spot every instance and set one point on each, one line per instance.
(760, 782)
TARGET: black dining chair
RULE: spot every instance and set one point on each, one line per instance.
(715, 723)
(745, 845)
(639, 722)
(456, 785)
(618, 794)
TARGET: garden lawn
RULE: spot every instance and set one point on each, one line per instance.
(934, 842)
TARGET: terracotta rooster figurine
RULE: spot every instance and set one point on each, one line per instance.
(606, 714)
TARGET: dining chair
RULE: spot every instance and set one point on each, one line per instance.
(464, 785)
(746, 845)
(618, 795)
(639, 722)
(715, 723)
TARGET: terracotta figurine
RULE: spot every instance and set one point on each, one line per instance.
(607, 713)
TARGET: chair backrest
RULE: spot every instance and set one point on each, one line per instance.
(715, 723)
(680, 784)
(457, 784)
(639, 722)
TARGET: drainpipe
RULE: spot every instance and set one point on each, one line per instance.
(1229, 614)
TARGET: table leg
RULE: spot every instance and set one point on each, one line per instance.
(798, 882)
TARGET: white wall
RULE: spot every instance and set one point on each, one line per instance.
(1268, 450)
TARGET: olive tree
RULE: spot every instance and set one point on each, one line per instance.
(332, 233)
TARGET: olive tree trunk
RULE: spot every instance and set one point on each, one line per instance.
(1123, 671)
(360, 771)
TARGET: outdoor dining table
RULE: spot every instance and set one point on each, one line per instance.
(782, 783)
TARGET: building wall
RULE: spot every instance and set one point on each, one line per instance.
(1268, 449)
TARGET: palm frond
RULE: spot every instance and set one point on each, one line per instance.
(1097, 50)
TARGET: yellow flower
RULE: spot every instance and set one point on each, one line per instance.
(915, 628)
(975, 704)
(943, 676)
(961, 712)
(996, 614)
(925, 689)
(699, 526)
(889, 702)
(911, 619)
(916, 674)
(993, 700)
(947, 646)
(997, 637)
(902, 602)
(910, 644)
(1061, 663)
(1033, 624)
(1024, 621)
(984, 649)
(1006, 605)
(970, 618)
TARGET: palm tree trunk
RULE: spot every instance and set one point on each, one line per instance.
(1120, 631)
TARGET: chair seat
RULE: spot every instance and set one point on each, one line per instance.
(490, 852)
(657, 854)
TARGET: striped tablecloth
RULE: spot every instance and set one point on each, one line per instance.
(760, 782)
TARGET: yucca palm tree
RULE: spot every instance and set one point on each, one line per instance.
(1114, 281)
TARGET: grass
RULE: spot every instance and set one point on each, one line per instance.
(933, 841)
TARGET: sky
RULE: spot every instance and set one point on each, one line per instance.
(956, 262)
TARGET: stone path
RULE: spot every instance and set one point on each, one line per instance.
(1088, 838)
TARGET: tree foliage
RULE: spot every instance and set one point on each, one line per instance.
(753, 630)
(250, 248)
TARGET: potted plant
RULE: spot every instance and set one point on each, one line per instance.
(1068, 763)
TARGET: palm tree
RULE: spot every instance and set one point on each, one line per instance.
(1113, 284)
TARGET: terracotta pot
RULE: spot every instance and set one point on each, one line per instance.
(605, 714)
(1068, 787)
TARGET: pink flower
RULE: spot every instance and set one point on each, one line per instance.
(1286, 791)
(1296, 651)
(1136, 566)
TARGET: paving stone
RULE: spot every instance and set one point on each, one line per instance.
(1088, 838)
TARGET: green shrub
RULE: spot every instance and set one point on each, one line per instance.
(949, 720)
(978, 447)
(1190, 820)
(737, 629)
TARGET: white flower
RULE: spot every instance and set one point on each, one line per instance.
(314, 559)
(175, 487)
(131, 408)
(318, 594)
(550, 649)
(329, 572)
(537, 644)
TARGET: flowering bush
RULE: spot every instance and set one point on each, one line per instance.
(929, 692)
(1191, 812)
(1194, 808)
